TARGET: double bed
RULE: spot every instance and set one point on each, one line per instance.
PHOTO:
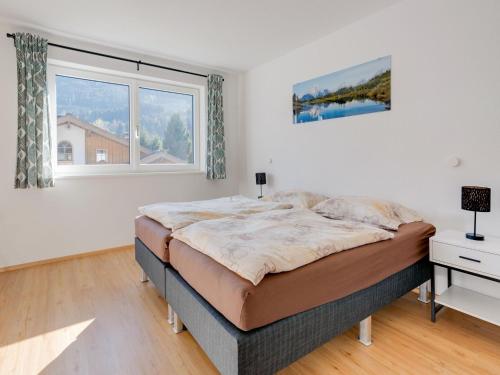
(259, 329)
(154, 227)
(284, 294)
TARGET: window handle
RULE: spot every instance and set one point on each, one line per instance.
(471, 259)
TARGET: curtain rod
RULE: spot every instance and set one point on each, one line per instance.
(137, 62)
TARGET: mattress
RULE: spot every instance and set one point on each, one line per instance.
(285, 294)
(154, 235)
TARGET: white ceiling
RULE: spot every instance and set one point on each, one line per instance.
(230, 34)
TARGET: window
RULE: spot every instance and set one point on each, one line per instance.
(109, 122)
(93, 114)
(166, 134)
(64, 152)
(101, 156)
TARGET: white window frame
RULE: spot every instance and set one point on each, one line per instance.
(134, 82)
(196, 116)
(57, 150)
(102, 151)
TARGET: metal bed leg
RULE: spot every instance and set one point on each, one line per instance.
(365, 331)
(178, 325)
(423, 292)
(170, 315)
(144, 277)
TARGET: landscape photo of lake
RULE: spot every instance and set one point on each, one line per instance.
(357, 90)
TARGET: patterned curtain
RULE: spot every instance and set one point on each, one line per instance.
(216, 150)
(34, 167)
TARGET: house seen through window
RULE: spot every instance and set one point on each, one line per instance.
(93, 116)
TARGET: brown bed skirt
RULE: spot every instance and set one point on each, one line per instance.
(154, 235)
(285, 294)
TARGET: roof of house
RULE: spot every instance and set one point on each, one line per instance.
(151, 156)
(72, 120)
(161, 157)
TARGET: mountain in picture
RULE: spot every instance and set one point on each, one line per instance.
(361, 89)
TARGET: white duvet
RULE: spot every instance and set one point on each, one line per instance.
(178, 215)
(275, 241)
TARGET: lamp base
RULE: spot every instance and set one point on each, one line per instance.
(475, 237)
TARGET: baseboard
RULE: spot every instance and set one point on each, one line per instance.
(64, 258)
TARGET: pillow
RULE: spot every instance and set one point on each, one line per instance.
(406, 214)
(383, 214)
(299, 199)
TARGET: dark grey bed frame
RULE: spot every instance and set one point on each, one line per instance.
(270, 348)
(151, 265)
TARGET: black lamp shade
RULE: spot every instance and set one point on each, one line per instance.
(260, 178)
(476, 198)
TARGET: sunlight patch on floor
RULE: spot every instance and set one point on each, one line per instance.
(44, 348)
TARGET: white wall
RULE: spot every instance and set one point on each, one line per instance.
(68, 219)
(445, 93)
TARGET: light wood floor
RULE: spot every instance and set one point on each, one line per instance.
(93, 316)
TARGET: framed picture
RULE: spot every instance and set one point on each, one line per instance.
(357, 90)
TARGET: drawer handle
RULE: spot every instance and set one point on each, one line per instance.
(471, 259)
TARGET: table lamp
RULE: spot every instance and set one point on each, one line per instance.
(477, 199)
(260, 179)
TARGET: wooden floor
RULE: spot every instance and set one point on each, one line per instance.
(93, 316)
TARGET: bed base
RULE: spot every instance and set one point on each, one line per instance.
(365, 326)
(237, 352)
(267, 349)
(152, 267)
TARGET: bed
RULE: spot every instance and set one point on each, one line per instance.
(285, 316)
(284, 294)
(154, 227)
(157, 221)
(249, 326)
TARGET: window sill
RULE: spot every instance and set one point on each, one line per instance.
(127, 174)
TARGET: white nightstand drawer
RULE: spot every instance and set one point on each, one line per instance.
(467, 259)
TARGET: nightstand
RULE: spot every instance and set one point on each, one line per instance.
(451, 250)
